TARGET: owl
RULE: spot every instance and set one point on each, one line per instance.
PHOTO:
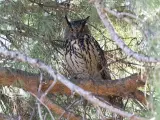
(83, 54)
(85, 58)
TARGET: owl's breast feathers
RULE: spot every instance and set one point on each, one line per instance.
(85, 58)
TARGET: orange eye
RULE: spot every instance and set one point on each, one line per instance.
(71, 30)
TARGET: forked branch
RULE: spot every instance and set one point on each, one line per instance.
(116, 38)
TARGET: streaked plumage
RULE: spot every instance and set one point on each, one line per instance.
(83, 54)
(85, 58)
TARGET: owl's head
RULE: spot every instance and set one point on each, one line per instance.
(77, 26)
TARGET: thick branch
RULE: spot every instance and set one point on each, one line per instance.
(116, 38)
(87, 95)
(58, 110)
(121, 87)
(29, 82)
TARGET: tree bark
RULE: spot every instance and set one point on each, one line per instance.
(122, 87)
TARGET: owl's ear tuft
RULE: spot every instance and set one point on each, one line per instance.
(69, 24)
(85, 21)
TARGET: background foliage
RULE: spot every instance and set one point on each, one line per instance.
(36, 28)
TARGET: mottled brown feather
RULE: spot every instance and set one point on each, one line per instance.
(84, 56)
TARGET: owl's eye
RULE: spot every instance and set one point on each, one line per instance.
(71, 29)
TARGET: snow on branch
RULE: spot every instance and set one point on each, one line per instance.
(116, 38)
(74, 88)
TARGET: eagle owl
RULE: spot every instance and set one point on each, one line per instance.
(83, 54)
(85, 58)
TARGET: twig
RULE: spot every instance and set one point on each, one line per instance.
(39, 111)
(126, 17)
(39, 93)
(100, 114)
(75, 102)
(43, 105)
(2, 44)
(87, 95)
(116, 38)
(40, 85)
(7, 117)
(50, 87)
(121, 15)
(32, 114)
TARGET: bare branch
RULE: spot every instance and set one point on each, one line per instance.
(121, 87)
(58, 110)
(121, 15)
(30, 83)
(3, 45)
(74, 103)
(54, 6)
(49, 88)
(6, 117)
(87, 95)
(117, 39)
(39, 109)
(39, 93)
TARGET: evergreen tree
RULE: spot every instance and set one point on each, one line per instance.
(36, 28)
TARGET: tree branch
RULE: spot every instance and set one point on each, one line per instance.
(116, 38)
(121, 15)
(120, 87)
(53, 5)
(87, 95)
(29, 82)
(6, 117)
(57, 109)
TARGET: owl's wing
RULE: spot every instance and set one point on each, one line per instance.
(102, 65)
